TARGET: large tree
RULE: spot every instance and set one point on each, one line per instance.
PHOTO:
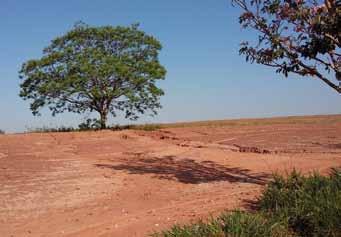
(295, 36)
(105, 69)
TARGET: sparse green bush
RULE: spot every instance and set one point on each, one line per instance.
(118, 127)
(311, 206)
(297, 206)
(233, 224)
(201, 229)
(144, 127)
(89, 124)
(245, 224)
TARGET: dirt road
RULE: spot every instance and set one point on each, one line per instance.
(131, 183)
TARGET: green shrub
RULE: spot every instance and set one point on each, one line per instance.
(201, 229)
(244, 224)
(144, 127)
(297, 205)
(89, 125)
(310, 206)
(233, 224)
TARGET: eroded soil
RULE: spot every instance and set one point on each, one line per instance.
(131, 183)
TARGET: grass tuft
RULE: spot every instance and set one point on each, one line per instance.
(237, 223)
(86, 127)
(295, 205)
(310, 206)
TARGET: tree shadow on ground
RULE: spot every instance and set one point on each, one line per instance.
(186, 171)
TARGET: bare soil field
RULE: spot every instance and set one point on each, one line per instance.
(131, 183)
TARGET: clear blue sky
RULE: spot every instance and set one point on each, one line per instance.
(206, 79)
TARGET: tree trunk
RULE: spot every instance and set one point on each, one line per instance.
(103, 119)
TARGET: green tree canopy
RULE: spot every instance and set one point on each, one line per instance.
(105, 69)
(295, 36)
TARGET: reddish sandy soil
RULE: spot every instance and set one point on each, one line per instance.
(131, 183)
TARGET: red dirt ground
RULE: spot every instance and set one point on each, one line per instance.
(131, 183)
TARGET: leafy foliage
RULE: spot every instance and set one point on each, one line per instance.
(295, 36)
(237, 223)
(290, 206)
(89, 124)
(310, 206)
(105, 69)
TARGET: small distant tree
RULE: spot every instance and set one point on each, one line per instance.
(2, 132)
(104, 69)
(295, 36)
